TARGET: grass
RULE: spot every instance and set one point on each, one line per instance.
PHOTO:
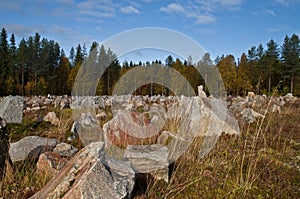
(261, 162)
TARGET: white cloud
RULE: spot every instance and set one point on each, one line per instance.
(203, 11)
(172, 8)
(287, 2)
(278, 29)
(213, 5)
(271, 12)
(129, 10)
(205, 31)
(202, 19)
(97, 9)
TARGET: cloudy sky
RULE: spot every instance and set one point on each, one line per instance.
(220, 26)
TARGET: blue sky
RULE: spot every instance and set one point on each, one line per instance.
(220, 26)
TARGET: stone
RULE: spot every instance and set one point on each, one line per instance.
(201, 93)
(51, 117)
(129, 128)
(101, 115)
(289, 97)
(50, 163)
(251, 94)
(276, 109)
(57, 101)
(249, 115)
(89, 130)
(30, 147)
(11, 109)
(89, 174)
(64, 103)
(65, 150)
(75, 128)
(152, 159)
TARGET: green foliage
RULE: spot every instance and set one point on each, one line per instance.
(37, 66)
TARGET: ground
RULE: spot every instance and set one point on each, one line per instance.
(262, 162)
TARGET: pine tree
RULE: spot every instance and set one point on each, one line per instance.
(22, 59)
(79, 57)
(169, 61)
(72, 56)
(93, 46)
(291, 59)
(4, 62)
(270, 59)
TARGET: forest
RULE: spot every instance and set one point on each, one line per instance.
(38, 66)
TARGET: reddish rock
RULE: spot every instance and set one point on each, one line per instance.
(130, 128)
(50, 163)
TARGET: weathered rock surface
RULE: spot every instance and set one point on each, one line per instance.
(11, 109)
(50, 163)
(65, 150)
(90, 175)
(30, 147)
(151, 159)
(89, 129)
(51, 117)
(129, 128)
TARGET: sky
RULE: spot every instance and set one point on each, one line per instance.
(219, 26)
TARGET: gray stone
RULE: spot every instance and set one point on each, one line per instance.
(249, 115)
(65, 150)
(89, 174)
(90, 130)
(151, 159)
(11, 109)
(51, 117)
(30, 147)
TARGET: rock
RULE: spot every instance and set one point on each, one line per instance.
(65, 150)
(64, 103)
(89, 130)
(249, 115)
(35, 108)
(90, 175)
(50, 163)
(129, 128)
(75, 128)
(201, 93)
(51, 117)
(251, 94)
(289, 97)
(57, 102)
(101, 115)
(11, 109)
(276, 108)
(151, 159)
(30, 147)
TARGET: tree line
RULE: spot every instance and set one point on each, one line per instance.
(38, 66)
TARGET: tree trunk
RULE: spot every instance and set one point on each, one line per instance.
(269, 87)
(292, 84)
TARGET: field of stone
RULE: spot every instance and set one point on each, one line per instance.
(152, 147)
